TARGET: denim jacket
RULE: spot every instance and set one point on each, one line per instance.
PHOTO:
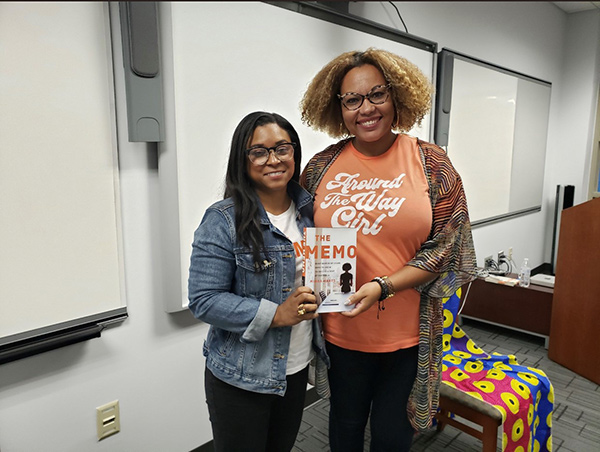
(239, 300)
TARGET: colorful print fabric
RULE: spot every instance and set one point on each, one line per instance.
(524, 395)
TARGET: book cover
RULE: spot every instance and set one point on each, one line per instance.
(330, 266)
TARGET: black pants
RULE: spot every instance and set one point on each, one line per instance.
(245, 421)
(375, 383)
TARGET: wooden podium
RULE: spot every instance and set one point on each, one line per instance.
(575, 327)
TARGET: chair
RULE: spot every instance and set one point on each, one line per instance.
(491, 390)
(467, 407)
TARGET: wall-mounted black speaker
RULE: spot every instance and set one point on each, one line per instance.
(443, 100)
(565, 197)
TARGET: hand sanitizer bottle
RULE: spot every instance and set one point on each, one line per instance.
(525, 274)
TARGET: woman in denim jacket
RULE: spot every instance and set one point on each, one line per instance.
(246, 282)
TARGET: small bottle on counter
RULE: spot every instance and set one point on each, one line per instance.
(525, 274)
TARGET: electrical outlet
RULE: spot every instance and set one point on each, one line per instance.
(488, 262)
(510, 253)
(501, 255)
(108, 421)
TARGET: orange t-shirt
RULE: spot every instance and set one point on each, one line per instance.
(387, 199)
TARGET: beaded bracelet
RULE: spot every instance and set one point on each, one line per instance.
(382, 286)
(390, 286)
(387, 291)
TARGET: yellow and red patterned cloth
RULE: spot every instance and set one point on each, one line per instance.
(524, 395)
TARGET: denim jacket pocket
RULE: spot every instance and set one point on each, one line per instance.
(220, 341)
(256, 281)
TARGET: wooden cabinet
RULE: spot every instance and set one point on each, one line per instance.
(519, 308)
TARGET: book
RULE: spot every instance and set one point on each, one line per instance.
(543, 280)
(329, 266)
(505, 281)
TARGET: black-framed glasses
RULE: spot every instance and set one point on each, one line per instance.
(377, 96)
(259, 155)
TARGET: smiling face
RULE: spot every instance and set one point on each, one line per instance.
(370, 124)
(270, 180)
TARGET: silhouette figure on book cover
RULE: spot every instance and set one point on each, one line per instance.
(346, 278)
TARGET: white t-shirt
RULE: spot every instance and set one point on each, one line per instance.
(300, 352)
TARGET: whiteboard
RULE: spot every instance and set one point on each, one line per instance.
(60, 244)
(223, 60)
(483, 105)
(496, 133)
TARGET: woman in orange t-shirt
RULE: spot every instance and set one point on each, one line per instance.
(414, 245)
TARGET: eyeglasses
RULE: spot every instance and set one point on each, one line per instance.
(260, 155)
(377, 96)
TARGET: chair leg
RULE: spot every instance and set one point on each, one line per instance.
(442, 415)
(489, 436)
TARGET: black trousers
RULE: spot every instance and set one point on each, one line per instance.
(370, 383)
(245, 421)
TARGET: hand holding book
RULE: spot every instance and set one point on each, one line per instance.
(363, 299)
(300, 305)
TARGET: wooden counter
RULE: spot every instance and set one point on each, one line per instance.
(524, 309)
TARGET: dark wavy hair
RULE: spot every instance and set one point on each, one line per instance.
(240, 187)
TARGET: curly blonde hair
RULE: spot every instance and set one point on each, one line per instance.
(411, 91)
